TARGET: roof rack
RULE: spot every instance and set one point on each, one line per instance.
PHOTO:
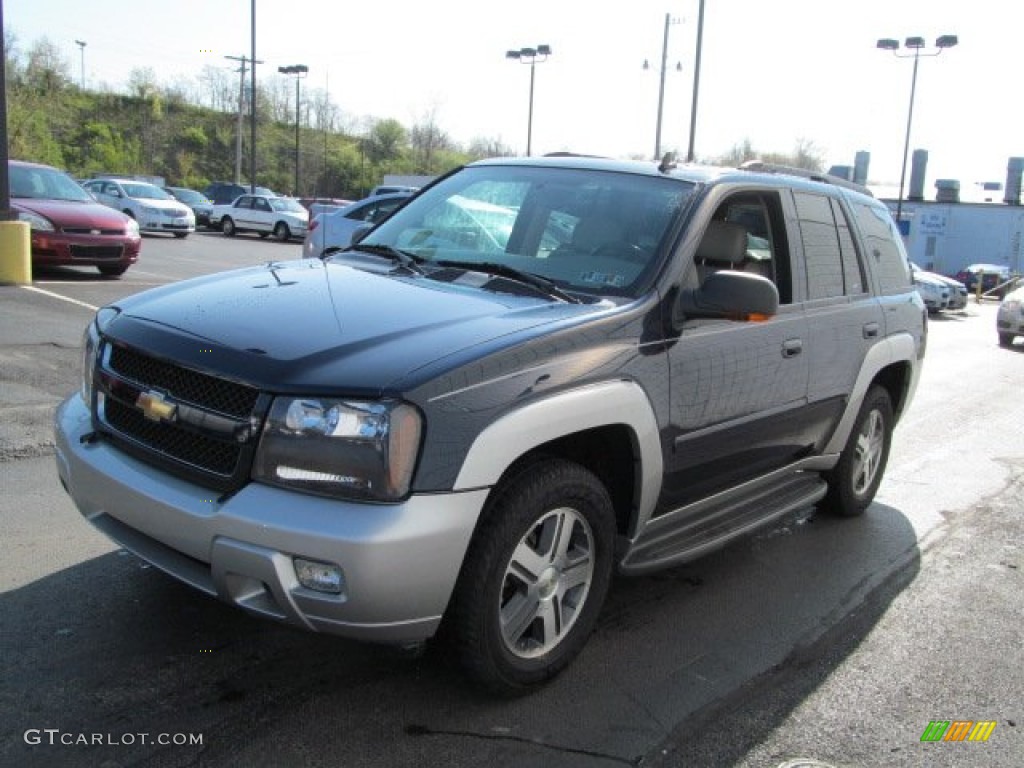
(756, 166)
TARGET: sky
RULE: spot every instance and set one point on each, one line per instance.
(771, 72)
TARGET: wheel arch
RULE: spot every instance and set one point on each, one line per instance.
(608, 428)
(892, 364)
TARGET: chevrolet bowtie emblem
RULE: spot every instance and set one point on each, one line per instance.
(155, 408)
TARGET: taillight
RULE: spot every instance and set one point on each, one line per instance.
(314, 224)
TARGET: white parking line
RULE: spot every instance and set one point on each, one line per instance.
(58, 296)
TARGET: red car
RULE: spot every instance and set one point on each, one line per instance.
(68, 226)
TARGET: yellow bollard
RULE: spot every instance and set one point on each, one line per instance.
(15, 252)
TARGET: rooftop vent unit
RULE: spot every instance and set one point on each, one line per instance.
(947, 191)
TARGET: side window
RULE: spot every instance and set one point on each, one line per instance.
(767, 252)
(822, 253)
(244, 202)
(853, 271)
(260, 204)
(884, 247)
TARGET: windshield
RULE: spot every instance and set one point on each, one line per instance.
(145, 192)
(286, 204)
(188, 196)
(593, 232)
(45, 184)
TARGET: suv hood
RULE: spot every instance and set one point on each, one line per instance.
(315, 327)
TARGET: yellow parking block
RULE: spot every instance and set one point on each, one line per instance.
(15, 252)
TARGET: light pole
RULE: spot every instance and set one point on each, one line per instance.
(531, 56)
(299, 71)
(917, 45)
(696, 83)
(81, 48)
(661, 86)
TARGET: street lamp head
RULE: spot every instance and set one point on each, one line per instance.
(545, 50)
(914, 42)
(888, 44)
(946, 41)
(512, 55)
(80, 43)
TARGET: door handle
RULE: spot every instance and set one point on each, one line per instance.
(792, 347)
(871, 330)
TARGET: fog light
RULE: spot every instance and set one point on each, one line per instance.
(320, 577)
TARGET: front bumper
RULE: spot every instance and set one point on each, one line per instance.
(400, 561)
(52, 248)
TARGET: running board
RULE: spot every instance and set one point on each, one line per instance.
(691, 531)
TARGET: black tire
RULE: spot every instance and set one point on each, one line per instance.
(281, 232)
(227, 226)
(522, 530)
(110, 270)
(1005, 339)
(854, 481)
(181, 235)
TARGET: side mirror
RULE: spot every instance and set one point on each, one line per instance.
(731, 295)
(361, 231)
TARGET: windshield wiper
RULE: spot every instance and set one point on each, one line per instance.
(540, 284)
(401, 258)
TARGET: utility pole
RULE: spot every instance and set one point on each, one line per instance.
(81, 48)
(241, 111)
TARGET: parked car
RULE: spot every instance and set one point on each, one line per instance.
(1010, 317)
(390, 189)
(224, 192)
(934, 293)
(200, 204)
(443, 425)
(68, 226)
(992, 276)
(955, 294)
(154, 209)
(263, 214)
(334, 229)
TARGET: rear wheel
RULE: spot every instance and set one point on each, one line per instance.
(281, 231)
(853, 482)
(181, 235)
(227, 226)
(535, 576)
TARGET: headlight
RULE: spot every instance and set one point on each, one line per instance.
(91, 349)
(36, 222)
(150, 210)
(131, 226)
(342, 448)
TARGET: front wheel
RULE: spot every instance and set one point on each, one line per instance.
(853, 482)
(281, 231)
(181, 235)
(227, 226)
(1005, 339)
(535, 577)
